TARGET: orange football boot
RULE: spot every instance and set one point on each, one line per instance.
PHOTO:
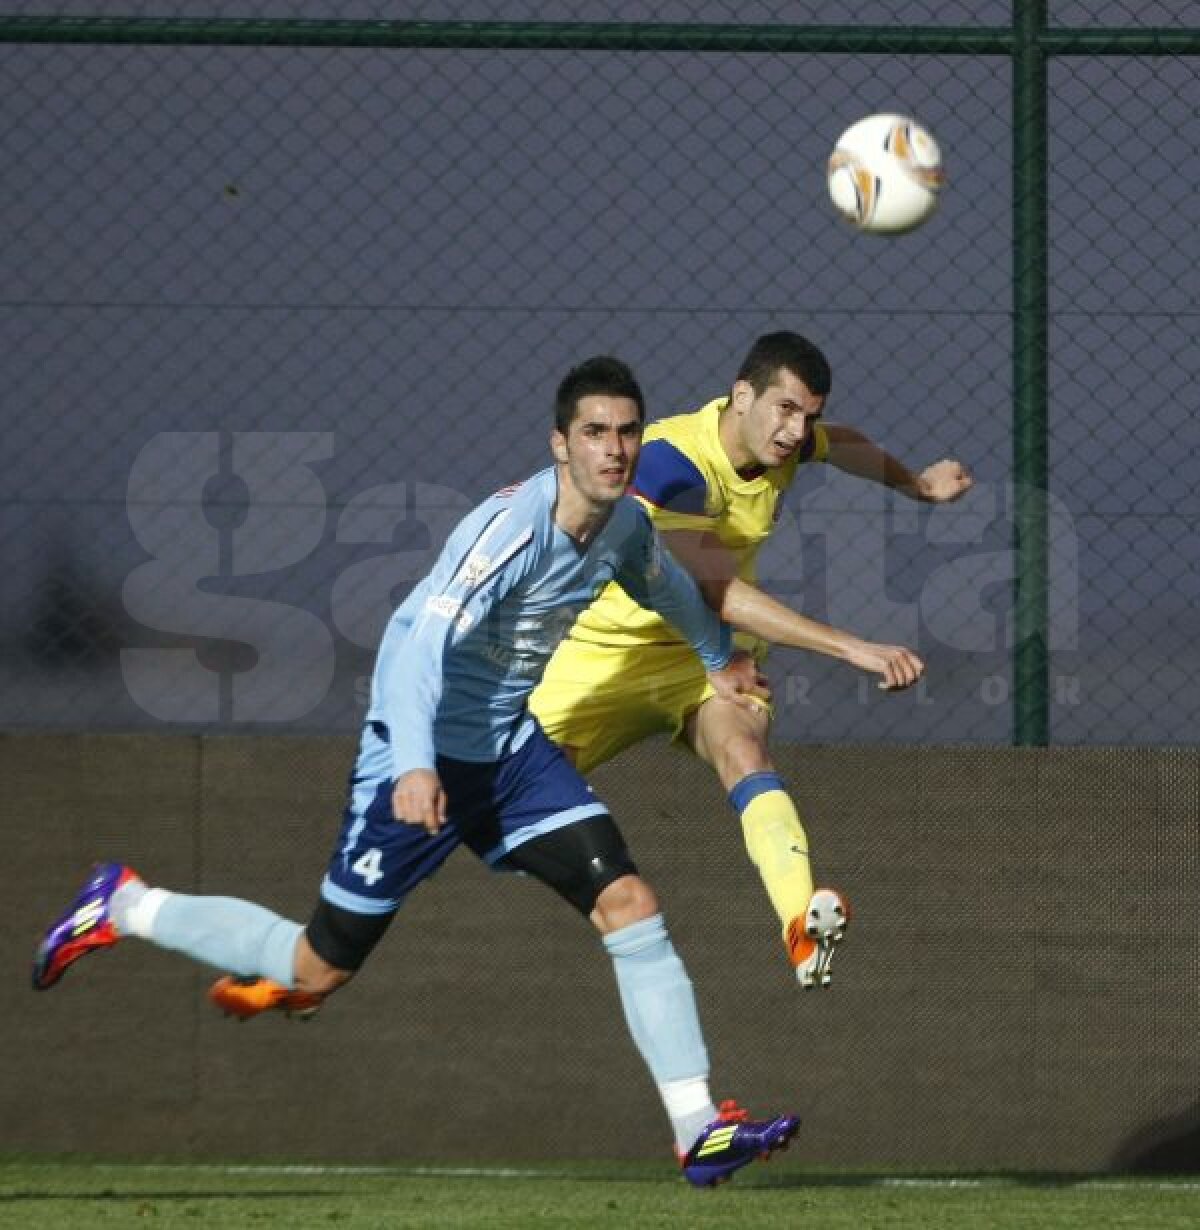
(247, 997)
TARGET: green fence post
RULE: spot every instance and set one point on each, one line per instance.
(1030, 665)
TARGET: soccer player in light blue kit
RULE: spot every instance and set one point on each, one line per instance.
(450, 756)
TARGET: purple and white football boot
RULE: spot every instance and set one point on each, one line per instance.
(86, 926)
(734, 1140)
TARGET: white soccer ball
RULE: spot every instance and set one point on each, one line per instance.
(885, 174)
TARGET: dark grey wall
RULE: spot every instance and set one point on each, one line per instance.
(1019, 988)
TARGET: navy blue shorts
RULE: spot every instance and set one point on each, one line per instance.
(492, 808)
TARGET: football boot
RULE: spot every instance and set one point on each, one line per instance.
(733, 1140)
(813, 936)
(86, 926)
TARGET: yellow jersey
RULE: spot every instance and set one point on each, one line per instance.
(685, 481)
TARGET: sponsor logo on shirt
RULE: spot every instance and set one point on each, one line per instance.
(529, 643)
(448, 608)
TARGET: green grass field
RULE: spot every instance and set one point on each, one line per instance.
(52, 1194)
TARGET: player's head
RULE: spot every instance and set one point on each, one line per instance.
(775, 351)
(601, 375)
(779, 393)
(599, 413)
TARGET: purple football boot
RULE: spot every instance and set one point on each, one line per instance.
(734, 1140)
(86, 926)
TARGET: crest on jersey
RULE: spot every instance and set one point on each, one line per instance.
(476, 568)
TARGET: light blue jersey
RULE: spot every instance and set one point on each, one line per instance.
(464, 650)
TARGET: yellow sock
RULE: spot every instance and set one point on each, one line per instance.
(778, 847)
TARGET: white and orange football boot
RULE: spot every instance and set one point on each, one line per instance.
(813, 936)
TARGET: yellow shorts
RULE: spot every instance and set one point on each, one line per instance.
(599, 700)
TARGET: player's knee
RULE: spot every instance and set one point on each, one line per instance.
(334, 945)
(578, 861)
(742, 755)
(624, 902)
(733, 741)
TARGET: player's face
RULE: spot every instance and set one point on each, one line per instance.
(601, 446)
(772, 425)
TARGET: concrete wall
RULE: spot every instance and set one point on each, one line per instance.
(1019, 989)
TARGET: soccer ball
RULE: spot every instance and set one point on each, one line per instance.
(885, 173)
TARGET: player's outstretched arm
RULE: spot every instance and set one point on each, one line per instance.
(749, 609)
(853, 453)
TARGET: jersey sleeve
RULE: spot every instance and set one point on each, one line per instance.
(652, 578)
(816, 447)
(477, 567)
(672, 488)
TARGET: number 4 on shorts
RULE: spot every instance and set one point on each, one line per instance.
(368, 866)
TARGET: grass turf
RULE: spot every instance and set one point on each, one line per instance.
(63, 1193)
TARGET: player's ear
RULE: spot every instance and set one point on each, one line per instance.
(558, 446)
(741, 395)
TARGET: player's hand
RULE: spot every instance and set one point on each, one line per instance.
(898, 668)
(741, 682)
(418, 798)
(944, 481)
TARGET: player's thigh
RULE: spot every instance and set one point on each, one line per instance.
(599, 700)
(533, 812)
(501, 805)
(587, 702)
(377, 860)
(582, 862)
(375, 864)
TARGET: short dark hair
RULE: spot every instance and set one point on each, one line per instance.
(773, 351)
(601, 374)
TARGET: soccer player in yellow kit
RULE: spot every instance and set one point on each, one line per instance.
(712, 482)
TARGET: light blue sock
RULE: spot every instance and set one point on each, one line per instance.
(659, 1003)
(236, 936)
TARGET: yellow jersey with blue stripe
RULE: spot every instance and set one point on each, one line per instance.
(686, 481)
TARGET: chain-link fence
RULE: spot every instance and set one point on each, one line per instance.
(281, 300)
